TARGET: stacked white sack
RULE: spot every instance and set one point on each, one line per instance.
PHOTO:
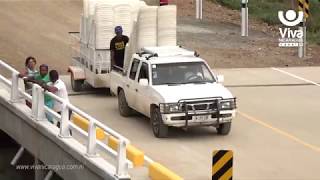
(167, 25)
(85, 8)
(91, 7)
(123, 17)
(104, 26)
(131, 47)
(147, 27)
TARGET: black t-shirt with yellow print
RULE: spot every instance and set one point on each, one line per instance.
(118, 45)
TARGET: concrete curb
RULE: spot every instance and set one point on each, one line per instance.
(136, 156)
(84, 124)
(159, 172)
(133, 154)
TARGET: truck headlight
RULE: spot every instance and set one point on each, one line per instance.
(169, 108)
(227, 105)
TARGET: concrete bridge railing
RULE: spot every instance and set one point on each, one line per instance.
(38, 114)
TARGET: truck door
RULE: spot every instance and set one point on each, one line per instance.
(142, 92)
(130, 84)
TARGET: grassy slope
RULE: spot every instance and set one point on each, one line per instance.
(267, 10)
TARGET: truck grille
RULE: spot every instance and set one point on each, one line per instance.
(200, 106)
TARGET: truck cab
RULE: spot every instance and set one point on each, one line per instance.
(173, 87)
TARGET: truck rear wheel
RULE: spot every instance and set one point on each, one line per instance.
(224, 128)
(124, 108)
(160, 130)
(76, 84)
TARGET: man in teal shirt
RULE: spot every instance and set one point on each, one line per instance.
(43, 78)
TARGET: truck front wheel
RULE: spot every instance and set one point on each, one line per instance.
(160, 130)
(124, 108)
(224, 128)
(76, 84)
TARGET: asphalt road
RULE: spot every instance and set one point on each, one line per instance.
(274, 136)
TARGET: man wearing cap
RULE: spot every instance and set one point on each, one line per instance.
(117, 47)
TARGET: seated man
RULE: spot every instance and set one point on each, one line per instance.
(117, 47)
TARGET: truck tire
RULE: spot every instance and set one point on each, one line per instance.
(76, 84)
(160, 130)
(224, 128)
(123, 106)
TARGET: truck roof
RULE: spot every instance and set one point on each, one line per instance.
(169, 54)
(174, 59)
(165, 51)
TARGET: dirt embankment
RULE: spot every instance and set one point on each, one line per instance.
(38, 28)
(222, 46)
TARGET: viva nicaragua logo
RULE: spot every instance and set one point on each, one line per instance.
(291, 36)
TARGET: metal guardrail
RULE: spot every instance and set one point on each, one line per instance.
(39, 110)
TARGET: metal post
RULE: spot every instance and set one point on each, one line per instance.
(14, 88)
(244, 18)
(49, 175)
(92, 142)
(122, 166)
(64, 122)
(304, 39)
(199, 9)
(17, 156)
(39, 171)
(301, 43)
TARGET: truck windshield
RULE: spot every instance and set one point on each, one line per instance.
(181, 73)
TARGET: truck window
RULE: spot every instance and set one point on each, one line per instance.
(134, 69)
(144, 72)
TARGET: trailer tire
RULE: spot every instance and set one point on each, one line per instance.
(224, 129)
(160, 130)
(123, 106)
(76, 84)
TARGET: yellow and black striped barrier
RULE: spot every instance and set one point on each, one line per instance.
(222, 161)
(304, 6)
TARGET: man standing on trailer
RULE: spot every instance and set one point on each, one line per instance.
(117, 47)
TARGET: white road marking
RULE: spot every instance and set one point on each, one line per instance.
(295, 76)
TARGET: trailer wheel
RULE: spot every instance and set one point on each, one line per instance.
(224, 129)
(76, 84)
(160, 130)
(123, 106)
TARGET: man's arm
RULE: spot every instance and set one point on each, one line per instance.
(49, 88)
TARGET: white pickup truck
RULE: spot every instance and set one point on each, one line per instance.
(173, 87)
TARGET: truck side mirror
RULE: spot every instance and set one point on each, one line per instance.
(143, 82)
(220, 79)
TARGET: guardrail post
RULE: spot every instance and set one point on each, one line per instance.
(38, 112)
(199, 9)
(244, 18)
(301, 49)
(64, 122)
(92, 142)
(14, 88)
(17, 156)
(122, 166)
(34, 101)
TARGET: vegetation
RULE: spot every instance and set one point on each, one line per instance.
(267, 10)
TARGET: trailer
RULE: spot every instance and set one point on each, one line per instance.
(90, 48)
(90, 51)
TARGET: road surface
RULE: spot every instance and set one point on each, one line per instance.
(274, 136)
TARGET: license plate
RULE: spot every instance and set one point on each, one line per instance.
(201, 118)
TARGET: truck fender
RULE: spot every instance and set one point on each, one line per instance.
(77, 72)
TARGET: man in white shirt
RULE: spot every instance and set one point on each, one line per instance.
(57, 87)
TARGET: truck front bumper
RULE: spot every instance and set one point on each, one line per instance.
(201, 119)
